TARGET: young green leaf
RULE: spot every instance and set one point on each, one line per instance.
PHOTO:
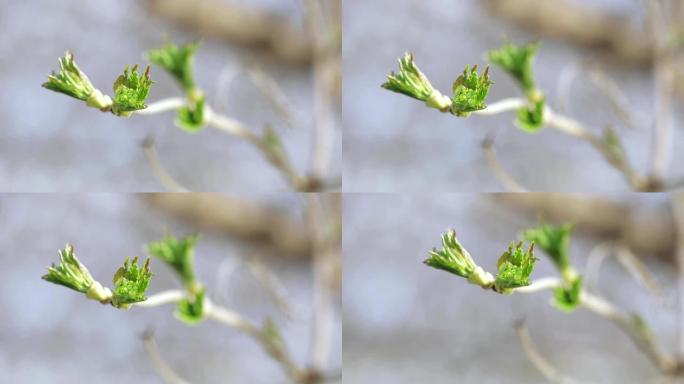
(70, 272)
(178, 254)
(455, 259)
(517, 61)
(567, 299)
(531, 117)
(515, 267)
(191, 116)
(130, 91)
(177, 61)
(410, 81)
(71, 81)
(555, 242)
(130, 283)
(470, 91)
(191, 309)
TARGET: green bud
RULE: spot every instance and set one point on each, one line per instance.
(470, 91)
(191, 116)
(515, 267)
(130, 283)
(130, 91)
(191, 309)
(567, 298)
(531, 117)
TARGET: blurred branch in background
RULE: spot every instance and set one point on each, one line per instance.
(241, 25)
(594, 27)
(239, 217)
(644, 231)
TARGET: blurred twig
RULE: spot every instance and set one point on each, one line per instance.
(165, 371)
(648, 232)
(239, 217)
(239, 24)
(537, 358)
(504, 177)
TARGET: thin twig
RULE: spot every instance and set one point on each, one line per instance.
(321, 339)
(272, 284)
(165, 371)
(273, 93)
(631, 324)
(233, 319)
(171, 184)
(678, 206)
(538, 360)
(163, 105)
(575, 129)
(504, 177)
(663, 74)
(323, 117)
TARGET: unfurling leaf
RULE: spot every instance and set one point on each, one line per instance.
(470, 91)
(517, 61)
(178, 254)
(455, 259)
(555, 242)
(130, 91)
(411, 82)
(177, 60)
(130, 283)
(515, 267)
(71, 81)
(70, 272)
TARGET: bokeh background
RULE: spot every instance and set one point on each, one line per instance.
(49, 334)
(50, 142)
(407, 323)
(394, 143)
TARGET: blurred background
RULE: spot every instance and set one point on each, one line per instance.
(49, 334)
(394, 143)
(405, 322)
(50, 142)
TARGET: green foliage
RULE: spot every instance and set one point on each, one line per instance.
(517, 61)
(130, 283)
(70, 80)
(455, 259)
(177, 61)
(470, 91)
(531, 118)
(178, 254)
(410, 81)
(555, 242)
(191, 116)
(191, 309)
(515, 267)
(70, 272)
(452, 257)
(567, 299)
(130, 91)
